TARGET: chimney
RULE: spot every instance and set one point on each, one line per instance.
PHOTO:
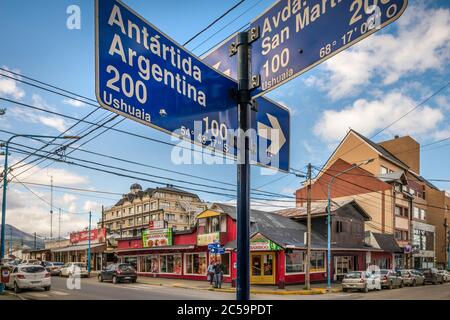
(406, 149)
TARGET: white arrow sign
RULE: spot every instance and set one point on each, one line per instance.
(274, 134)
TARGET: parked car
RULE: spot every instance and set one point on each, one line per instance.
(71, 268)
(27, 276)
(54, 268)
(391, 279)
(432, 275)
(361, 280)
(445, 275)
(118, 272)
(412, 278)
(31, 261)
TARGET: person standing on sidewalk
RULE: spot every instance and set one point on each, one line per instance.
(218, 271)
(211, 272)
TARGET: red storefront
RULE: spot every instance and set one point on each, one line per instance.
(277, 249)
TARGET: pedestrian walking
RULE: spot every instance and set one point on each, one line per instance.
(211, 272)
(218, 272)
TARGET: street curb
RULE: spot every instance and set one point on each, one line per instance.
(253, 291)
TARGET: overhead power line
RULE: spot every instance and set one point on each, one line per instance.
(214, 22)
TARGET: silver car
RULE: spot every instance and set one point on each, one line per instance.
(391, 279)
(412, 278)
(361, 280)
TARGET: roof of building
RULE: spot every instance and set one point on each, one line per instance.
(386, 154)
(321, 209)
(281, 230)
(398, 176)
(150, 192)
(385, 242)
(136, 186)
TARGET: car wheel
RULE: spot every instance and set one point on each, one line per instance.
(390, 286)
(16, 288)
(401, 284)
(414, 283)
(344, 289)
(115, 280)
(100, 279)
(366, 289)
(47, 288)
(133, 281)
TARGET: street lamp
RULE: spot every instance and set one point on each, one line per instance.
(329, 218)
(5, 182)
(2, 111)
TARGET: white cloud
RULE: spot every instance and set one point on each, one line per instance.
(29, 214)
(368, 116)
(422, 43)
(10, 87)
(60, 176)
(38, 117)
(92, 206)
(74, 103)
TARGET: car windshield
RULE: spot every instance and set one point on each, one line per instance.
(58, 264)
(33, 269)
(126, 267)
(384, 271)
(353, 275)
(79, 265)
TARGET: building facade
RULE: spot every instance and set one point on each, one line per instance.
(133, 213)
(390, 188)
(277, 248)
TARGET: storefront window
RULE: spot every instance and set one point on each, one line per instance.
(131, 260)
(195, 263)
(151, 264)
(225, 259)
(317, 261)
(295, 262)
(170, 263)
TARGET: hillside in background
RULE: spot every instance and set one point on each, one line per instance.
(18, 236)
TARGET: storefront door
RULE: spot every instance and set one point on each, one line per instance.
(262, 268)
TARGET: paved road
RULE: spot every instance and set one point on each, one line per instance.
(93, 290)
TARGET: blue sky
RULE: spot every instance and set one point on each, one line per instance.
(365, 88)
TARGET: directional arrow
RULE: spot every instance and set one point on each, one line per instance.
(272, 133)
(217, 66)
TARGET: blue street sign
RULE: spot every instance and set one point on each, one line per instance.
(146, 76)
(297, 35)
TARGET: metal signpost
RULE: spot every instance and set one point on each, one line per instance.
(298, 35)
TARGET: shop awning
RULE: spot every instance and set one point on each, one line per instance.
(207, 214)
(175, 247)
(80, 248)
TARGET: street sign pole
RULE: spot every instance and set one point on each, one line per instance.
(243, 169)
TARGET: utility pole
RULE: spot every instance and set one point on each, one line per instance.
(35, 241)
(51, 207)
(308, 234)
(59, 227)
(10, 241)
(103, 216)
(89, 245)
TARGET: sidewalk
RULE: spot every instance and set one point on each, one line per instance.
(8, 296)
(226, 287)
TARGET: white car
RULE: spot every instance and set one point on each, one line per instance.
(29, 276)
(74, 269)
(445, 275)
(31, 261)
(361, 280)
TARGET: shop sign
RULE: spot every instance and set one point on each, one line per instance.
(157, 238)
(97, 236)
(263, 244)
(205, 239)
